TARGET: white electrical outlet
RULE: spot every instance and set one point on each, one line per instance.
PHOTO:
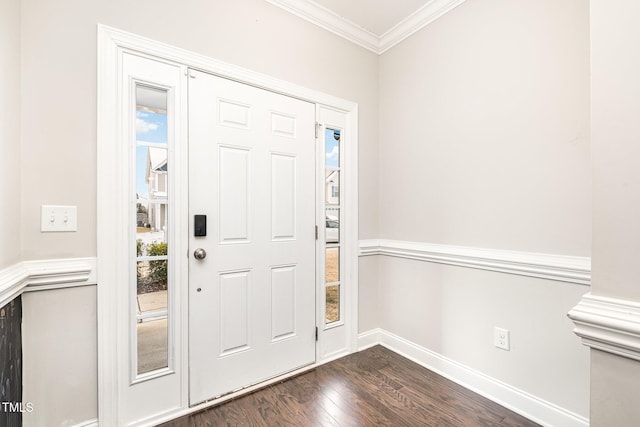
(58, 218)
(501, 338)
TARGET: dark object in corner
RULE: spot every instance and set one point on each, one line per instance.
(11, 362)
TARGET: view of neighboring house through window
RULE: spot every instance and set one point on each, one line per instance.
(151, 163)
(332, 227)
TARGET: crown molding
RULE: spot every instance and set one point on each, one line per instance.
(608, 324)
(331, 21)
(562, 268)
(415, 22)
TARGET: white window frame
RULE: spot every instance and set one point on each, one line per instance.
(113, 263)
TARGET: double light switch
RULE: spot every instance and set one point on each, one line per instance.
(59, 218)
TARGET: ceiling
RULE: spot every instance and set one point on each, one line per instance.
(376, 25)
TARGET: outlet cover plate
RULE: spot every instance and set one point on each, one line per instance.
(501, 338)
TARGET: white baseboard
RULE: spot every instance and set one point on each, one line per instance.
(521, 402)
(369, 339)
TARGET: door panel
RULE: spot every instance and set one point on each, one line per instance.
(234, 167)
(283, 296)
(233, 306)
(283, 193)
(252, 172)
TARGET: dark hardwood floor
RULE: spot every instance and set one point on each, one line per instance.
(374, 387)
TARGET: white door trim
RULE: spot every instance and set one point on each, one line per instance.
(112, 221)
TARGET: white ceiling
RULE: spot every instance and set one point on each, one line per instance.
(376, 25)
(376, 16)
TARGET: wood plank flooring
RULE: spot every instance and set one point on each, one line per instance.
(375, 387)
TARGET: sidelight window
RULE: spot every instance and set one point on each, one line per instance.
(333, 280)
(152, 171)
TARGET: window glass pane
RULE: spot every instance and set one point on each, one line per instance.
(152, 345)
(332, 263)
(332, 313)
(151, 115)
(332, 186)
(332, 225)
(151, 222)
(332, 147)
(152, 272)
(332, 163)
(151, 305)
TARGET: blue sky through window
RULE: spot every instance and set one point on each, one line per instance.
(332, 147)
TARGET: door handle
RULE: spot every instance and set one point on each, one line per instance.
(200, 254)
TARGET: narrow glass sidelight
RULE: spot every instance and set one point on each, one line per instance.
(151, 230)
(332, 231)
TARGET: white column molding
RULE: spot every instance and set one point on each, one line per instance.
(561, 268)
(13, 280)
(608, 324)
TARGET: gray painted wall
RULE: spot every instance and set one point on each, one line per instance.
(9, 132)
(484, 141)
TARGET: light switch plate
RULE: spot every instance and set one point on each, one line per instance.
(59, 218)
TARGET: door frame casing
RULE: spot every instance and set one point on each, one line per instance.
(112, 218)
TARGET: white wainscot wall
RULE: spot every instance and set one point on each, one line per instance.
(430, 310)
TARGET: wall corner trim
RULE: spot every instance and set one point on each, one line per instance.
(29, 276)
(608, 324)
(519, 401)
(331, 21)
(563, 268)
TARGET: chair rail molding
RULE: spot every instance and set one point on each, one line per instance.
(563, 268)
(29, 276)
(608, 324)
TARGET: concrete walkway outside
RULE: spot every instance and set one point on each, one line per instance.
(152, 335)
(152, 301)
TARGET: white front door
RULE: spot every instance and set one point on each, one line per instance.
(252, 174)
